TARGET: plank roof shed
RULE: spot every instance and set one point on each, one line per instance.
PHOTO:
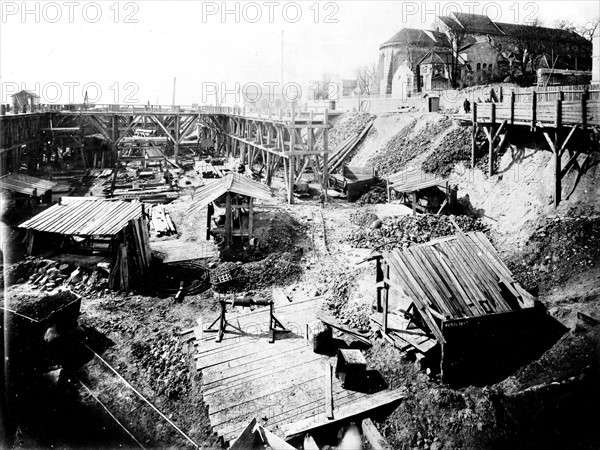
(414, 180)
(455, 277)
(234, 183)
(85, 218)
(25, 184)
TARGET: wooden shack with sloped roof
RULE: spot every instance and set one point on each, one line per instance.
(455, 299)
(239, 194)
(91, 230)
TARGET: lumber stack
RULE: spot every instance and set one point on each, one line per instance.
(161, 222)
(132, 255)
(338, 156)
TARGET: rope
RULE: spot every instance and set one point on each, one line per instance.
(109, 413)
(169, 421)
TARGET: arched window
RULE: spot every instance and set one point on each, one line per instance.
(484, 66)
(478, 66)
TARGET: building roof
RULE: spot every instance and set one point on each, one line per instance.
(235, 183)
(436, 56)
(416, 37)
(547, 33)
(414, 180)
(25, 91)
(25, 184)
(476, 23)
(96, 217)
(457, 277)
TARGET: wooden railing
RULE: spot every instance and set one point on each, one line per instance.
(292, 114)
(556, 113)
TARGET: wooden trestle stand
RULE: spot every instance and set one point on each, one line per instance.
(274, 324)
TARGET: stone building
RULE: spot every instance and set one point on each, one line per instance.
(473, 49)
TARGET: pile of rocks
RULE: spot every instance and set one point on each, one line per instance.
(276, 269)
(404, 231)
(344, 126)
(377, 194)
(165, 364)
(558, 250)
(455, 148)
(46, 275)
(363, 216)
(405, 146)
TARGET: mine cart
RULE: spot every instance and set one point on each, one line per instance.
(36, 327)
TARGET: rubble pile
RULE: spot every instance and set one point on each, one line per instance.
(276, 269)
(404, 231)
(343, 127)
(38, 307)
(363, 216)
(350, 313)
(559, 249)
(46, 275)
(455, 148)
(281, 234)
(164, 361)
(377, 194)
(405, 146)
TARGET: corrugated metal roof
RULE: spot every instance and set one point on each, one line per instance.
(459, 276)
(414, 180)
(85, 218)
(25, 184)
(236, 183)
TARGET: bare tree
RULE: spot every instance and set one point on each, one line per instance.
(528, 44)
(590, 29)
(457, 41)
(564, 24)
(365, 75)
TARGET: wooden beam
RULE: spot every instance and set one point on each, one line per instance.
(373, 436)
(364, 405)
(328, 392)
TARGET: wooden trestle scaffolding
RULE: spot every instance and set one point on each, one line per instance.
(284, 139)
(274, 139)
(558, 119)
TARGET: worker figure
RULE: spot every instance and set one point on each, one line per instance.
(467, 106)
(209, 213)
(168, 176)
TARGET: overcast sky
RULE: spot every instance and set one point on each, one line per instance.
(131, 51)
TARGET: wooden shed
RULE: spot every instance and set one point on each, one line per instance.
(239, 193)
(25, 100)
(26, 189)
(94, 230)
(456, 295)
(424, 192)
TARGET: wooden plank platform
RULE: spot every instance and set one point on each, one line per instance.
(175, 250)
(244, 376)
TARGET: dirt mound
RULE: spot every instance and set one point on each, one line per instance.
(164, 363)
(409, 143)
(455, 148)
(281, 234)
(276, 269)
(558, 250)
(38, 307)
(363, 217)
(343, 127)
(544, 405)
(377, 194)
(404, 231)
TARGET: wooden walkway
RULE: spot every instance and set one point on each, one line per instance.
(558, 121)
(283, 383)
